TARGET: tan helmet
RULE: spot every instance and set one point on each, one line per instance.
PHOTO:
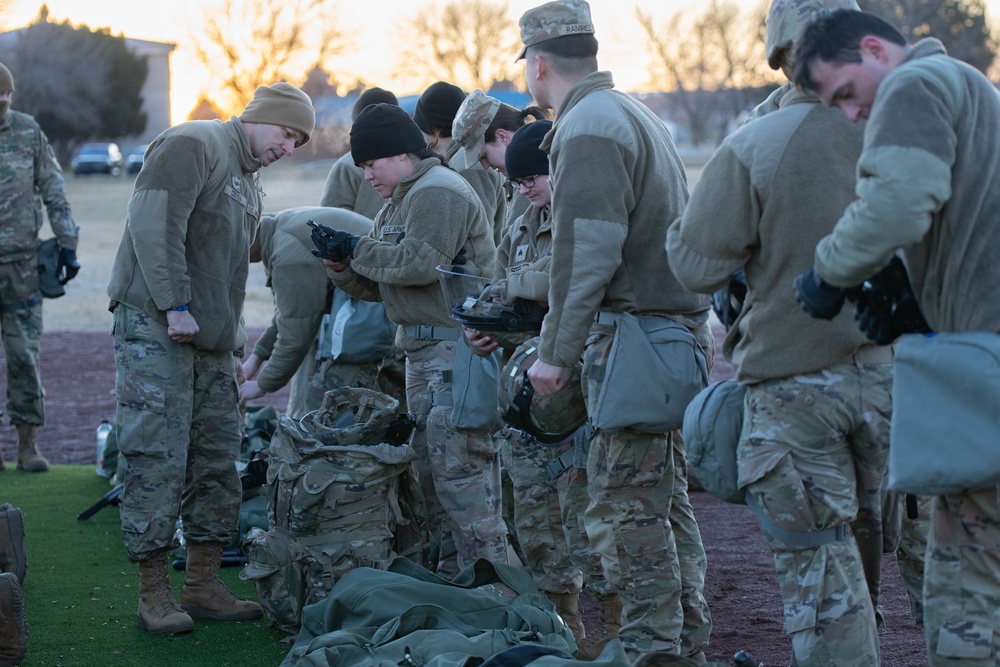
(787, 18)
(549, 419)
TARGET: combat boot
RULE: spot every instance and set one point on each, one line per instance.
(568, 607)
(159, 612)
(28, 458)
(608, 625)
(12, 555)
(204, 595)
(13, 628)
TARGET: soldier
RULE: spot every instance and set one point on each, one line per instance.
(432, 218)
(302, 296)
(522, 276)
(177, 289)
(618, 179)
(928, 189)
(31, 177)
(346, 188)
(814, 446)
(482, 129)
(435, 115)
(345, 185)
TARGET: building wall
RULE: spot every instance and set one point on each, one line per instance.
(156, 90)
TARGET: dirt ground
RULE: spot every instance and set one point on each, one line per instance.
(78, 373)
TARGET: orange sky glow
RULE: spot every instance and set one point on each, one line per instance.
(373, 27)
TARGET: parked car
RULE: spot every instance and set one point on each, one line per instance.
(133, 161)
(98, 159)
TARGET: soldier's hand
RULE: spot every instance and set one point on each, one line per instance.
(480, 342)
(547, 378)
(874, 317)
(332, 244)
(181, 326)
(819, 299)
(68, 265)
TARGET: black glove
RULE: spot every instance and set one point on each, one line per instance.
(818, 298)
(887, 308)
(873, 313)
(331, 244)
(728, 301)
(68, 267)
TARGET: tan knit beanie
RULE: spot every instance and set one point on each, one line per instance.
(6, 79)
(281, 104)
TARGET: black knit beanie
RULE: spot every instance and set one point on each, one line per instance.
(437, 107)
(523, 156)
(381, 130)
(372, 96)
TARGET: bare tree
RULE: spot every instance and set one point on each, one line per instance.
(469, 43)
(259, 42)
(960, 24)
(710, 61)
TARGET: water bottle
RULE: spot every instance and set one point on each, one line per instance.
(102, 441)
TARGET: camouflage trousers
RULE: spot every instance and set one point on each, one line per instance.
(538, 514)
(21, 325)
(459, 468)
(813, 455)
(641, 523)
(179, 429)
(961, 582)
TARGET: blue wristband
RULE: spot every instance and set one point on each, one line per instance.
(184, 307)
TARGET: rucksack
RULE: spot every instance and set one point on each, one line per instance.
(333, 501)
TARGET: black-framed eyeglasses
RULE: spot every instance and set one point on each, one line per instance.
(527, 181)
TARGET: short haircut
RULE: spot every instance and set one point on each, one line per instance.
(835, 37)
(569, 54)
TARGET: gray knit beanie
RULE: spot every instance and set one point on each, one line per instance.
(284, 105)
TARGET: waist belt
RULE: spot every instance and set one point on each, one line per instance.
(423, 332)
(870, 354)
(605, 317)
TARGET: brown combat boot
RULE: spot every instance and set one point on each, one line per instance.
(12, 555)
(13, 628)
(568, 608)
(608, 625)
(28, 458)
(204, 595)
(159, 612)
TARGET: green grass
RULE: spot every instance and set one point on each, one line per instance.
(81, 592)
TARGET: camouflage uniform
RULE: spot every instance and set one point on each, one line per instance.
(30, 176)
(176, 413)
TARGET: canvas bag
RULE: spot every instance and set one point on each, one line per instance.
(654, 369)
(474, 384)
(945, 413)
(406, 615)
(355, 331)
(713, 421)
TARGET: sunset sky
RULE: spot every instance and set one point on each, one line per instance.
(372, 24)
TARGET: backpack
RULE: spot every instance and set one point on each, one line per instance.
(333, 501)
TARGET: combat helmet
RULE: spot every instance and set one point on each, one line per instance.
(549, 419)
(469, 302)
(787, 18)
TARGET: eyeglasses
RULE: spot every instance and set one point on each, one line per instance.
(527, 181)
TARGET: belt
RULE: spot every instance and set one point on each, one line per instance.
(606, 317)
(424, 332)
(871, 354)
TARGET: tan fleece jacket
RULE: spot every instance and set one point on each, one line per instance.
(432, 216)
(770, 192)
(617, 183)
(929, 184)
